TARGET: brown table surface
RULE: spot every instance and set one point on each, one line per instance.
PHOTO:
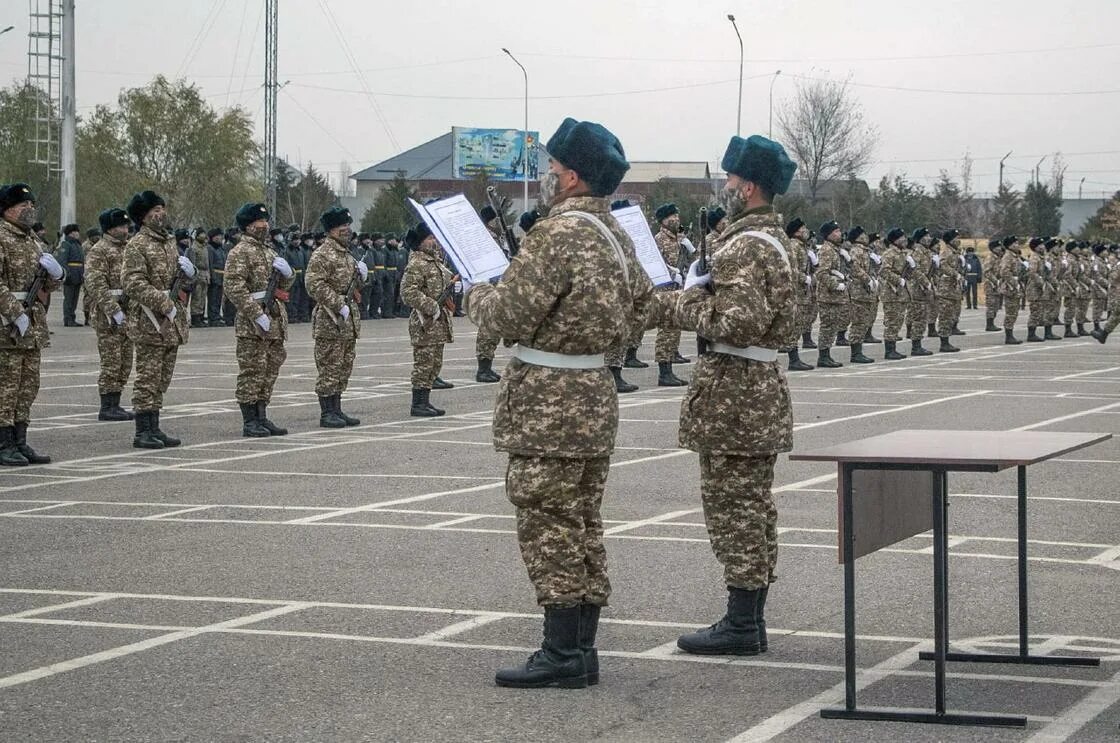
(986, 448)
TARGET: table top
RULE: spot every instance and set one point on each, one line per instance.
(999, 449)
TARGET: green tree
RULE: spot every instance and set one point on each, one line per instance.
(16, 149)
(300, 199)
(1006, 215)
(901, 203)
(952, 207)
(1041, 213)
(390, 211)
(1105, 224)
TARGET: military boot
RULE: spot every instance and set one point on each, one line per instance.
(196, 321)
(678, 359)
(168, 441)
(9, 454)
(735, 634)
(666, 377)
(1081, 332)
(262, 418)
(440, 384)
(117, 407)
(991, 326)
(825, 360)
(1009, 338)
(1069, 331)
(588, 626)
(858, 357)
(1101, 335)
(144, 438)
(251, 427)
(111, 410)
(795, 362)
(1032, 335)
(1050, 335)
(946, 346)
(931, 330)
(956, 330)
(842, 338)
(807, 341)
(19, 431)
(421, 406)
(868, 337)
(1096, 325)
(892, 352)
(632, 361)
(559, 662)
(328, 417)
(620, 384)
(350, 420)
(917, 350)
(486, 371)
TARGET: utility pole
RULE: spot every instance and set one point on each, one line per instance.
(1037, 168)
(739, 114)
(1001, 168)
(525, 150)
(770, 131)
(68, 196)
(1079, 186)
(271, 87)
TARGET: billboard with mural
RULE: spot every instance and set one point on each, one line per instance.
(497, 152)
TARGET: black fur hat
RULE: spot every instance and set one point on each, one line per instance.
(142, 203)
(336, 216)
(665, 211)
(15, 193)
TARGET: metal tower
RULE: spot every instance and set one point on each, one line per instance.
(271, 86)
(44, 72)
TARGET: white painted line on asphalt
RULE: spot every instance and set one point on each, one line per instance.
(1081, 714)
(36, 510)
(459, 628)
(87, 601)
(456, 521)
(1070, 416)
(1085, 374)
(181, 511)
(647, 522)
(342, 475)
(899, 409)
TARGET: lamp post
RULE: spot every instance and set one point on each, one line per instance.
(770, 131)
(1037, 168)
(525, 134)
(1079, 187)
(739, 114)
(6, 30)
(1001, 168)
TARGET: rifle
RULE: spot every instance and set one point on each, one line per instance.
(447, 296)
(272, 292)
(351, 289)
(34, 289)
(172, 291)
(702, 268)
(496, 203)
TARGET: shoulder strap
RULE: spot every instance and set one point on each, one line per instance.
(605, 231)
(774, 242)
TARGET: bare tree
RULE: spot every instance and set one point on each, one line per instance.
(824, 127)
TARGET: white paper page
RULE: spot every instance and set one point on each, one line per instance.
(472, 248)
(634, 223)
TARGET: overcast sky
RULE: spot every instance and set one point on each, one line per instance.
(939, 78)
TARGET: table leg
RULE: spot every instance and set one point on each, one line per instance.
(849, 594)
(940, 591)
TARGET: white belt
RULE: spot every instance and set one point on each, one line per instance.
(750, 352)
(19, 296)
(116, 292)
(559, 360)
(258, 296)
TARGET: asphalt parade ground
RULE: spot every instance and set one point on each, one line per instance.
(365, 584)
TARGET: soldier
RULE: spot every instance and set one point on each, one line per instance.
(294, 257)
(798, 235)
(1012, 270)
(621, 355)
(973, 275)
(216, 259)
(71, 255)
(426, 280)
(199, 255)
(107, 307)
(389, 282)
(1038, 287)
(947, 288)
(361, 251)
(1098, 278)
(1084, 287)
(863, 291)
(896, 297)
(809, 317)
(875, 254)
(1113, 297)
(921, 289)
(486, 344)
(831, 280)
(334, 279)
(737, 414)
(1071, 280)
(666, 349)
(993, 298)
(717, 222)
(155, 277)
(261, 330)
(401, 262)
(23, 315)
(1056, 287)
(568, 296)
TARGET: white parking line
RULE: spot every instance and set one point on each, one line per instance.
(1081, 714)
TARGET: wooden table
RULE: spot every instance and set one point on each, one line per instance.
(901, 475)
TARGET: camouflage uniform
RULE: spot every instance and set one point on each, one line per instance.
(737, 413)
(993, 296)
(1113, 299)
(151, 262)
(106, 298)
(807, 312)
(330, 270)
(921, 289)
(896, 295)
(863, 289)
(485, 342)
(564, 293)
(798, 263)
(833, 301)
(1010, 275)
(1084, 290)
(260, 354)
(668, 342)
(947, 289)
(1098, 278)
(425, 278)
(1037, 290)
(199, 255)
(19, 358)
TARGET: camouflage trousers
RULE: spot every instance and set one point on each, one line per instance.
(863, 317)
(1082, 307)
(426, 363)
(1038, 312)
(793, 337)
(916, 319)
(807, 315)
(334, 361)
(19, 384)
(834, 318)
(1113, 316)
(258, 365)
(155, 365)
(1054, 312)
(1010, 310)
(667, 345)
(1099, 304)
(115, 350)
(1070, 313)
(741, 517)
(616, 354)
(993, 303)
(199, 298)
(559, 528)
(485, 344)
(894, 315)
(948, 313)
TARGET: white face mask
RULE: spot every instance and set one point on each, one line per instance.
(550, 184)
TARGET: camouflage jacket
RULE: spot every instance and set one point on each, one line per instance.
(565, 292)
(248, 270)
(199, 255)
(103, 276)
(669, 245)
(892, 274)
(736, 406)
(1011, 272)
(859, 284)
(151, 262)
(1098, 275)
(331, 270)
(991, 274)
(1037, 285)
(919, 283)
(19, 263)
(799, 266)
(947, 273)
(425, 278)
(1084, 280)
(826, 279)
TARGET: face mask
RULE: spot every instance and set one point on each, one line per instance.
(27, 216)
(257, 233)
(308, 243)
(550, 184)
(160, 222)
(731, 199)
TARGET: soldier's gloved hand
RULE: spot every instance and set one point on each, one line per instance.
(363, 270)
(264, 322)
(437, 313)
(22, 323)
(118, 318)
(695, 278)
(345, 312)
(170, 314)
(808, 280)
(50, 265)
(902, 283)
(282, 266)
(841, 287)
(936, 260)
(910, 261)
(186, 266)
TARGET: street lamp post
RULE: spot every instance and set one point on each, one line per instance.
(739, 114)
(1001, 168)
(1037, 168)
(525, 133)
(6, 30)
(770, 131)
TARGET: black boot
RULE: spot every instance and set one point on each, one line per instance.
(168, 441)
(991, 326)
(956, 331)
(1096, 325)
(666, 377)
(1081, 332)
(588, 626)
(350, 420)
(858, 357)
(892, 352)
(946, 346)
(760, 618)
(110, 410)
(144, 438)
(807, 341)
(1032, 335)
(1069, 331)
(1009, 338)
(735, 634)
(1050, 335)
(196, 321)
(931, 330)
(9, 454)
(440, 384)
(678, 359)
(842, 338)
(869, 338)
(632, 361)
(328, 417)
(621, 385)
(486, 371)
(421, 406)
(559, 662)
(262, 418)
(251, 426)
(1101, 335)
(118, 409)
(825, 360)
(795, 362)
(917, 350)
(19, 432)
